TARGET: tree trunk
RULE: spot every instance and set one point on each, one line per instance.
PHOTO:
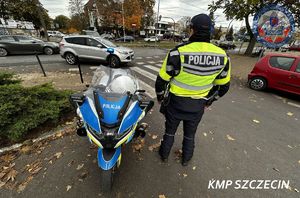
(252, 38)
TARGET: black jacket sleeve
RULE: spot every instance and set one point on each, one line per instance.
(160, 87)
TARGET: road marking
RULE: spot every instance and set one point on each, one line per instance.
(149, 57)
(151, 62)
(293, 104)
(149, 90)
(159, 65)
(144, 73)
(156, 56)
(73, 70)
(138, 58)
(161, 61)
(155, 69)
(140, 63)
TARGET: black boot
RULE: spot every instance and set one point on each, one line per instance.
(163, 158)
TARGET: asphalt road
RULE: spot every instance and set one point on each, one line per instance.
(246, 135)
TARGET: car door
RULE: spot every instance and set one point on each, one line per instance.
(27, 45)
(294, 78)
(280, 72)
(96, 49)
(9, 43)
(79, 46)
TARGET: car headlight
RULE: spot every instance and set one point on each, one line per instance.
(123, 52)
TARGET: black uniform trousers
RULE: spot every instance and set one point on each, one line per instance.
(188, 110)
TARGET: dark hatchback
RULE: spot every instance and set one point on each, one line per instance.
(25, 45)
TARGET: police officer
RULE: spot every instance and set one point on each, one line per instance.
(191, 72)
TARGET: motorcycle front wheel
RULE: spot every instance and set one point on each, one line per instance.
(107, 179)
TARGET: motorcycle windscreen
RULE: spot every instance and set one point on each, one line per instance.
(131, 117)
(111, 104)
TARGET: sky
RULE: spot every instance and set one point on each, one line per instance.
(168, 8)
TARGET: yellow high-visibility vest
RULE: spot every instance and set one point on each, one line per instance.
(203, 65)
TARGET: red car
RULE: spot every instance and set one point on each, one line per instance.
(277, 71)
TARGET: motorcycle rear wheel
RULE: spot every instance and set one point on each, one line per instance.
(107, 179)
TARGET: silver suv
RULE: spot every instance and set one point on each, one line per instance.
(76, 48)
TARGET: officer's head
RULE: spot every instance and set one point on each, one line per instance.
(201, 24)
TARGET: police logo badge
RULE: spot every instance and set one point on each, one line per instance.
(273, 26)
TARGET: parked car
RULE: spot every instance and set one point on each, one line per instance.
(151, 39)
(108, 36)
(25, 45)
(74, 48)
(90, 33)
(277, 71)
(55, 34)
(127, 39)
(226, 45)
(295, 46)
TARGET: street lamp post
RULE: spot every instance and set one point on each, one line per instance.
(123, 20)
(157, 21)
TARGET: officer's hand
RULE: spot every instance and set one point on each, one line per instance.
(160, 98)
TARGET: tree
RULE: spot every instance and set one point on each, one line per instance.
(148, 12)
(20, 10)
(78, 19)
(62, 21)
(218, 33)
(183, 23)
(243, 10)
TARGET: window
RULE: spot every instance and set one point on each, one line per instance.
(298, 67)
(284, 63)
(92, 42)
(23, 38)
(76, 40)
(7, 38)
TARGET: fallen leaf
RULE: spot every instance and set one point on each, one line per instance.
(205, 134)
(194, 168)
(11, 175)
(256, 121)
(184, 175)
(8, 157)
(290, 114)
(2, 184)
(161, 196)
(59, 134)
(154, 146)
(80, 166)
(290, 146)
(258, 148)
(23, 185)
(68, 187)
(58, 155)
(36, 170)
(69, 123)
(275, 169)
(154, 137)
(296, 190)
(26, 149)
(83, 175)
(230, 138)
(299, 161)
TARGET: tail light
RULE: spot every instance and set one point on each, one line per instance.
(61, 45)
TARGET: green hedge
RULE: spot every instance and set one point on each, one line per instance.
(23, 109)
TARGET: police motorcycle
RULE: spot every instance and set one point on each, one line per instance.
(109, 112)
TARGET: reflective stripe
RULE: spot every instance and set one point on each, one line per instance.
(160, 93)
(174, 53)
(190, 87)
(223, 74)
(202, 53)
(208, 73)
(199, 68)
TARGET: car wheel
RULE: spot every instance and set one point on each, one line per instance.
(258, 83)
(48, 51)
(3, 52)
(113, 61)
(70, 58)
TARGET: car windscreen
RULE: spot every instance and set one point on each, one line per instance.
(7, 38)
(106, 42)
